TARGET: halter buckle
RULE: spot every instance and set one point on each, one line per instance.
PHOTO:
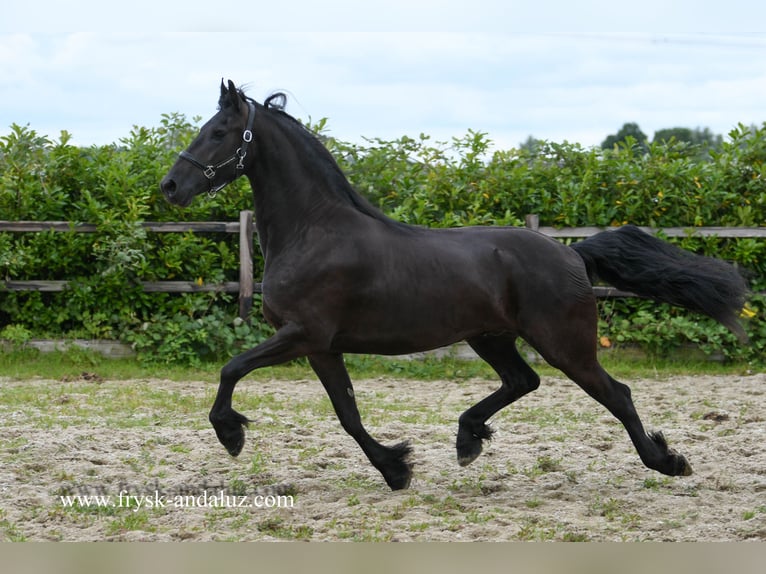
(241, 154)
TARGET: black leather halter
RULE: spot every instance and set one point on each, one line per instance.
(238, 156)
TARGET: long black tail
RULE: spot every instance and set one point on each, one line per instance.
(635, 261)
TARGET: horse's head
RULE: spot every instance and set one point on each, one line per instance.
(217, 155)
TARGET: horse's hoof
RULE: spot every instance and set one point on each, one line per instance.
(230, 430)
(672, 463)
(234, 447)
(398, 472)
(400, 482)
(469, 443)
(468, 452)
(466, 460)
(232, 437)
(683, 467)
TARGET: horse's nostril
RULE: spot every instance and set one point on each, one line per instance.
(168, 187)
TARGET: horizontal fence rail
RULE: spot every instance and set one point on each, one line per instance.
(157, 227)
(533, 222)
(246, 286)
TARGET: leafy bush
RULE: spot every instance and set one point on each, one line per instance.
(461, 182)
(116, 187)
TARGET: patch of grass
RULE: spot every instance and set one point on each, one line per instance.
(9, 531)
(556, 418)
(237, 487)
(81, 509)
(447, 507)
(258, 464)
(575, 537)
(724, 484)
(418, 526)
(534, 529)
(476, 516)
(750, 514)
(278, 528)
(359, 482)
(26, 364)
(615, 510)
(136, 405)
(129, 521)
(654, 483)
(424, 369)
(533, 503)
(544, 465)
(472, 485)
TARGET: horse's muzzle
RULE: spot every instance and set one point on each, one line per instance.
(170, 191)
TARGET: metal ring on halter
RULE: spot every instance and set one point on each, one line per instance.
(241, 162)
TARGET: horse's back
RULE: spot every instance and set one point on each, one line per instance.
(487, 258)
(522, 252)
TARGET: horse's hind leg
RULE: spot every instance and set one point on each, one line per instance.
(572, 349)
(390, 461)
(615, 396)
(517, 378)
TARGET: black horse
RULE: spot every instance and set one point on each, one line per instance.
(341, 277)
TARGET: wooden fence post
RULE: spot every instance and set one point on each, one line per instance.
(245, 263)
(532, 221)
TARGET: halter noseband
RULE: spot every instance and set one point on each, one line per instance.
(239, 156)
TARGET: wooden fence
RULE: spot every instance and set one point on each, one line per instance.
(246, 285)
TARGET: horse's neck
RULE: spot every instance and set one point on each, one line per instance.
(295, 189)
(285, 210)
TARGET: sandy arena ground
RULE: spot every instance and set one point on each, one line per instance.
(559, 468)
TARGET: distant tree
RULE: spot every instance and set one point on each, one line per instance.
(697, 136)
(531, 145)
(678, 134)
(704, 139)
(705, 136)
(629, 129)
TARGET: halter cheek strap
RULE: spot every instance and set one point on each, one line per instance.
(239, 156)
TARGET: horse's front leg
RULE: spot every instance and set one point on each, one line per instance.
(288, 343)
(390, 461)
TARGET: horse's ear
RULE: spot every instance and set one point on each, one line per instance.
(229, 96)
(233, 93)
(223, 101)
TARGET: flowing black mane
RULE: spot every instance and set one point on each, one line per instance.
(275, 105)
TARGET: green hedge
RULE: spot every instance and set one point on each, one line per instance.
(462, 182)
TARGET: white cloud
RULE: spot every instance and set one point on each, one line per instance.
(578, 87)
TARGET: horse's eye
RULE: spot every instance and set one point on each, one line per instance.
(219, 134)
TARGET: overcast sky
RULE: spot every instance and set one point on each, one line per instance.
(574, 71)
